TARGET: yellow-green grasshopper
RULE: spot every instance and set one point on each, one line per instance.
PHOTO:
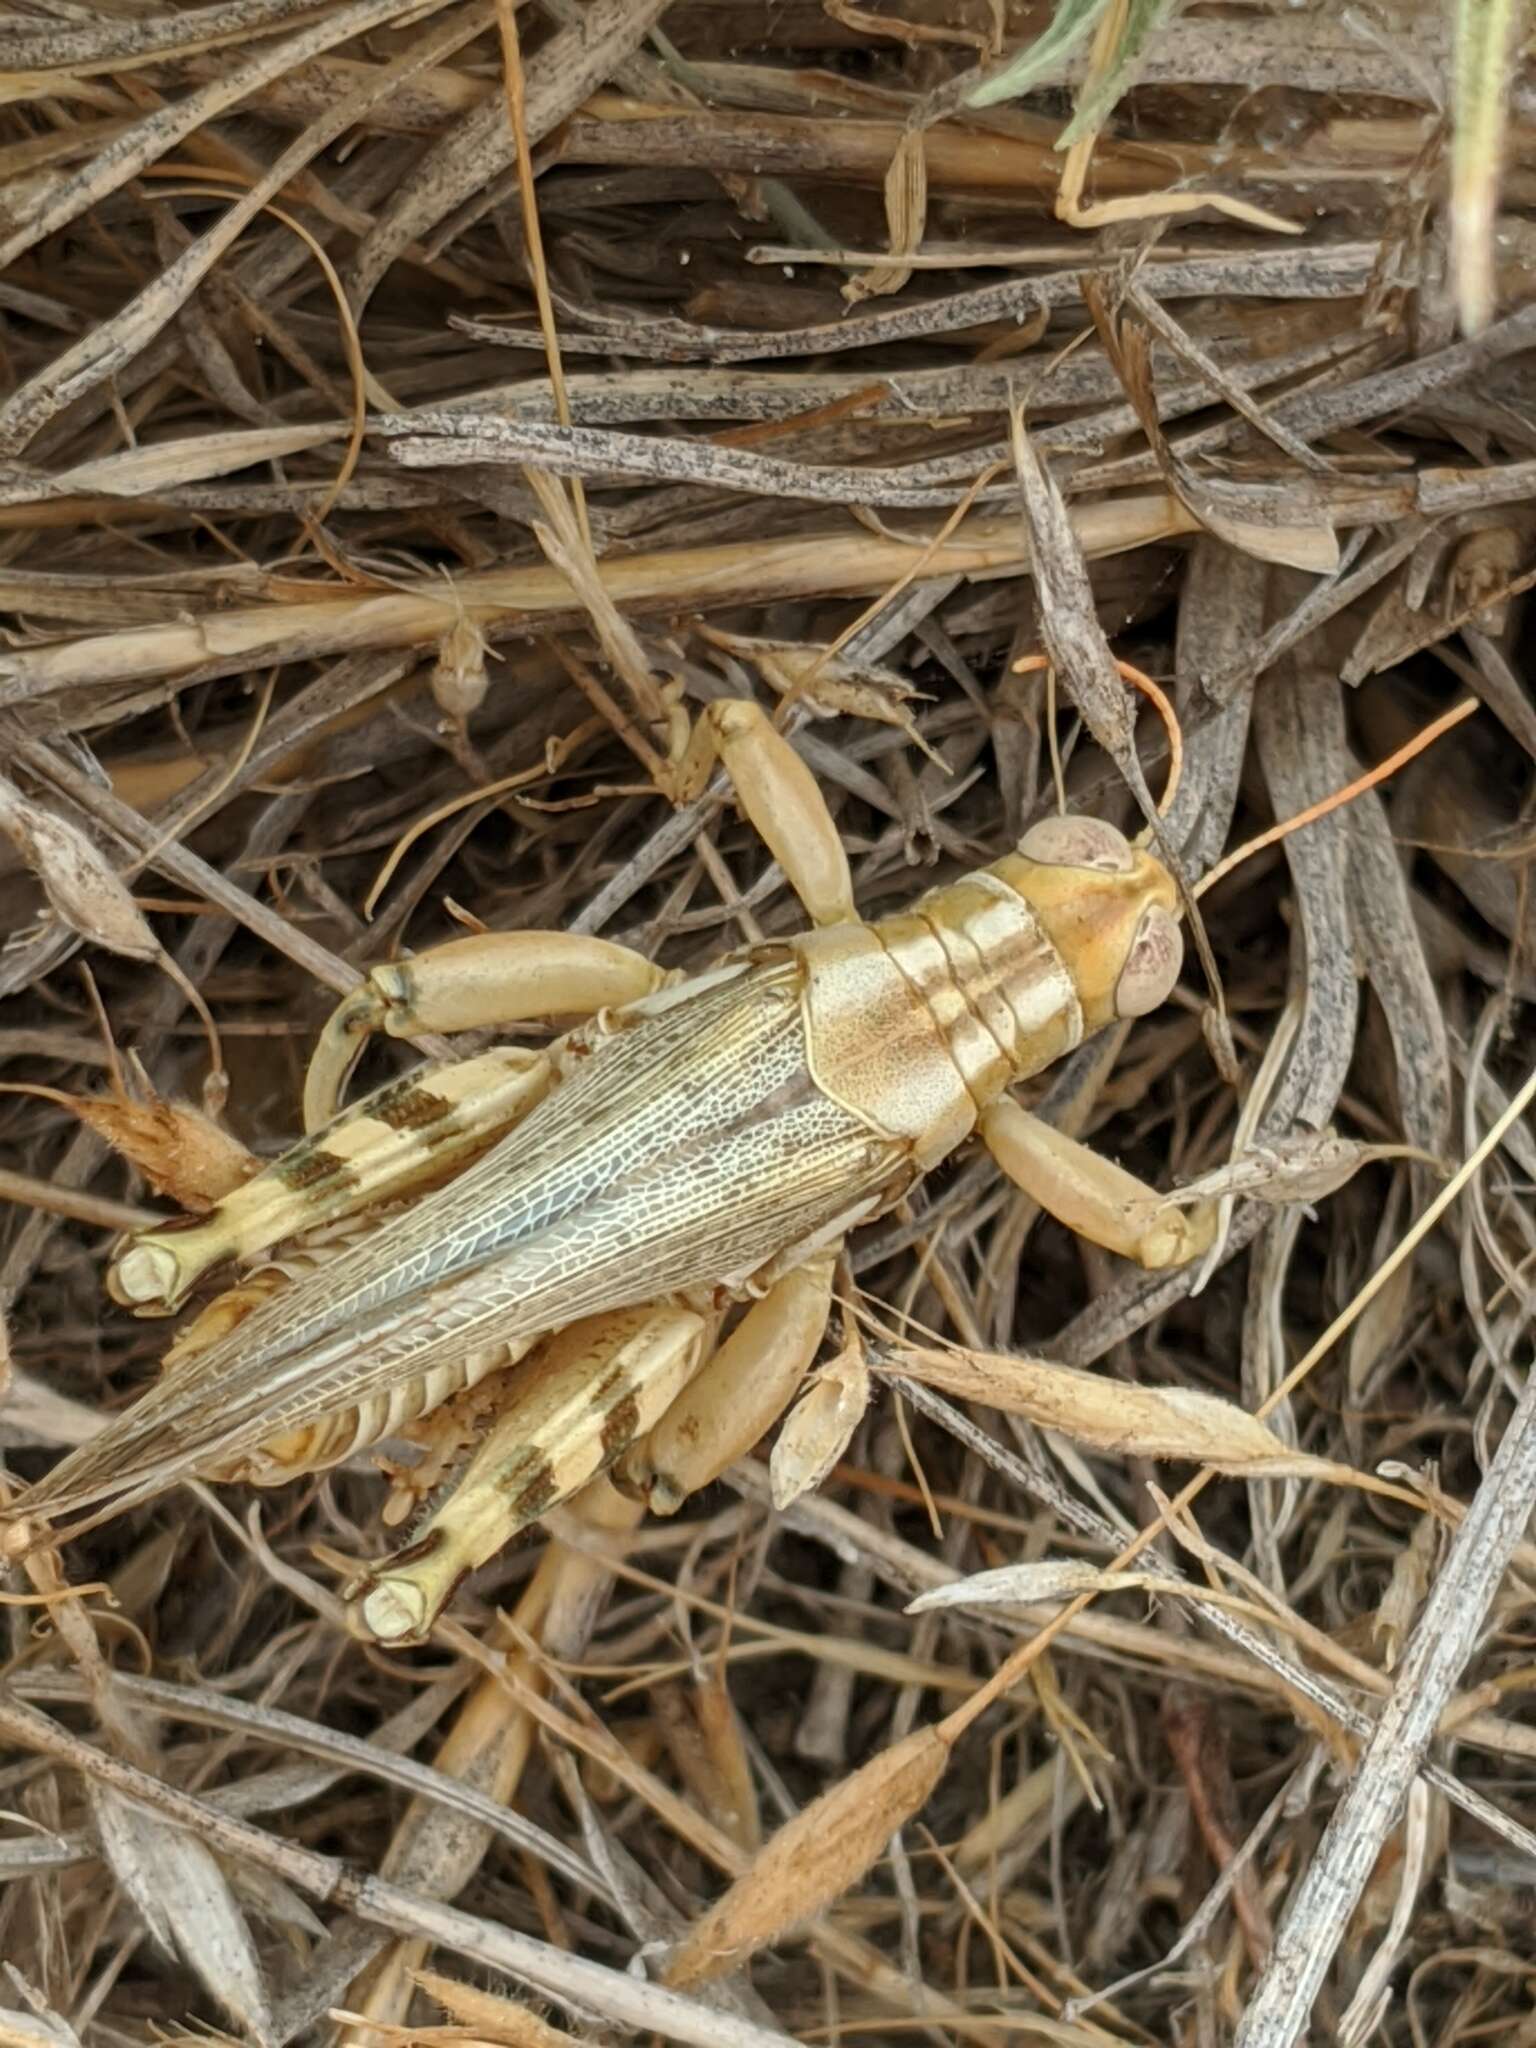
(699, 1142)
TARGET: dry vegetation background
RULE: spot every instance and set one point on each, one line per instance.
(311, 571)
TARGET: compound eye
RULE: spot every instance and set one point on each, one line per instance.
(1078, 843)
(1152, 965)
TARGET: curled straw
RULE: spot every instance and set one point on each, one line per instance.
(1324, 805)
(1160, 705)
(1312, 813)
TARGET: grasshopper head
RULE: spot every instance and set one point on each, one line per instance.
(1109, 908)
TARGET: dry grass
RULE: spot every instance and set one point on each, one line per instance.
(1153, 1666)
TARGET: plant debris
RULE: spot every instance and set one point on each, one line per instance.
(412, 419)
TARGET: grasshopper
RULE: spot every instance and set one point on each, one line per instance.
(599, 1206)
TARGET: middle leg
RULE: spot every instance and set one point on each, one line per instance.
(485, 979)
(739, 1395)
(780, 799)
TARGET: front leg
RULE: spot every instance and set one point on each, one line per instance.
(779, 798)
(1093, 1196)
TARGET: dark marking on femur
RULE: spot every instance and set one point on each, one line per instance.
(407, 1106)
(306, 1167)
(621, 1425)
(539, 1492)
(413, 1553)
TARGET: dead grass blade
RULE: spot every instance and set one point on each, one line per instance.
(304, 627)
(1285, 523)
(1316, 1918)
(1116, 1415)
(107, 348)
(185, 1901)
(80, 48)
(906, 211)
(1022, 1585)
(600, 456)
(561, 1975)
(478, 149)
